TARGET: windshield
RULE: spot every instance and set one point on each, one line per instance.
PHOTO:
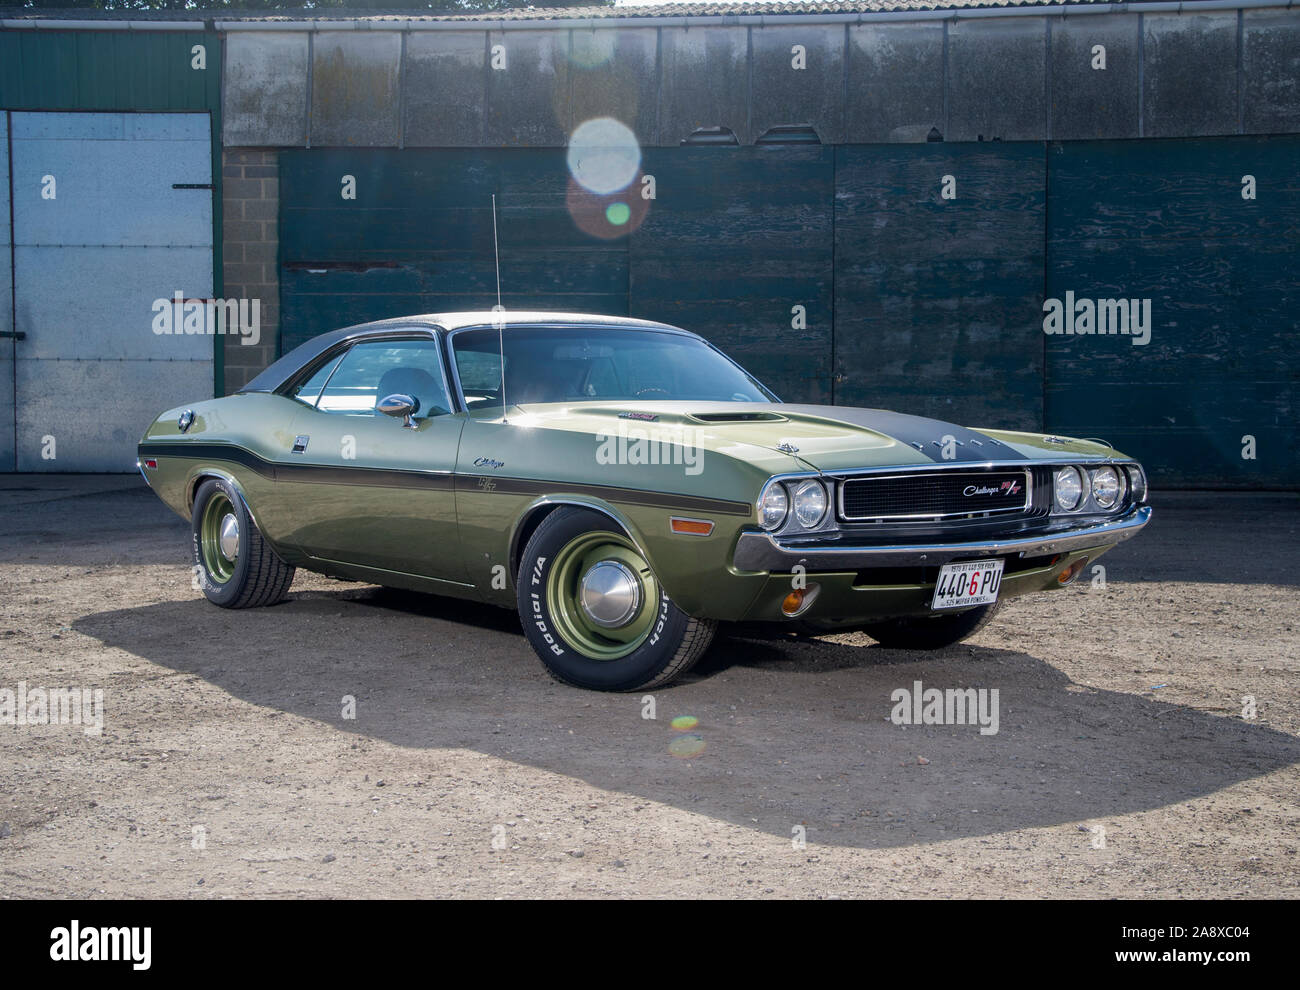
(562, 365)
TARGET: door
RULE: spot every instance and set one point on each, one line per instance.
(939, 279)
(418, 238)
(738, 247)
(1184, 252)
(112, 216)
(380, 492)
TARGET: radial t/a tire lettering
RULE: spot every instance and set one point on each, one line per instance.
(594, 612)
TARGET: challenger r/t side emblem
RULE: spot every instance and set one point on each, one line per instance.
(300, 443)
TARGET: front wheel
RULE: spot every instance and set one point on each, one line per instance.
(233, 565)
(930, 632)
(594, 612)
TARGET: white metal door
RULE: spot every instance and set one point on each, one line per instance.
(103, 226)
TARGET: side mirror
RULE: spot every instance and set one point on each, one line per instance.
(402, 405)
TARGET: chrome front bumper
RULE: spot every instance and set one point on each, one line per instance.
(761, 552)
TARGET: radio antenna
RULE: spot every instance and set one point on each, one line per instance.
(500, 310)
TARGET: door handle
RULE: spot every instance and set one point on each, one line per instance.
(15, 334)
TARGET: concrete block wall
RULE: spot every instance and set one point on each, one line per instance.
(250, 250)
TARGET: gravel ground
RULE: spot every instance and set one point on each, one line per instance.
(1123, 765)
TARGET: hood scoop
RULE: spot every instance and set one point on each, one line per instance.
(738, 417)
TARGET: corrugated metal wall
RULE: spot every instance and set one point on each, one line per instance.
(108, 70)
(1013, 78)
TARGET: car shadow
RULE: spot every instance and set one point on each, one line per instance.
(772, 732)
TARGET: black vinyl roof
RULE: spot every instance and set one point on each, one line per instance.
(290, 364)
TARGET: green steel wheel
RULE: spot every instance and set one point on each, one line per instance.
(233, 565)
(599, 587)
(219, 537)
(594, 611)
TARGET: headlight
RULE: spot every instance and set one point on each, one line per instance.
(1069, 488)
(773, 504)
(810, 503)
(1107, 487)
(1137, 482)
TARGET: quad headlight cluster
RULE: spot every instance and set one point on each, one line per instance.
(805, 501)
(1103, 488)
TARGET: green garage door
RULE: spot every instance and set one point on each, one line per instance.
(418, 238)
(938, 281)
(732, 242)
(737, 247)
(1166, 223)
(911, 277)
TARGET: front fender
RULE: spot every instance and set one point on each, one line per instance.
(693, 570)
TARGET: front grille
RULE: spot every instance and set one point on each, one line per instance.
(936, 495)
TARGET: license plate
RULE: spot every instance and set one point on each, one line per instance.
(972, 582)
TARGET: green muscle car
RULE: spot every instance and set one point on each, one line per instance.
(625, 486)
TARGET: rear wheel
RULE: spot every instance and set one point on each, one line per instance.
(930, 632)
(233, 565)
(594, 612)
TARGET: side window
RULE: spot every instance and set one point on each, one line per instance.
(480, 377)
(374, 369)
(309, 391)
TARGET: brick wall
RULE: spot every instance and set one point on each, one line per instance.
(250, 244)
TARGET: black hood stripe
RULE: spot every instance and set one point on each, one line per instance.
(918, 432)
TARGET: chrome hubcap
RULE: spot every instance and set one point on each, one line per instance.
(229, 541)
(610, 594)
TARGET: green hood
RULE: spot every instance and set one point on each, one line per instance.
(822, 438)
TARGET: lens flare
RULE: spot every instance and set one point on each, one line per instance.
(607, 217)
(687, 746)
(589, 49)
(603, 155)
(618, 214)
(683, 723)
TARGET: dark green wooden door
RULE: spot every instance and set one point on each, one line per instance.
(910, 277)
(938, 281)
(1165, 222)
(418, 238)
(737, 246)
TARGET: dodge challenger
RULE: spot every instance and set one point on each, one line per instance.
(625, 486)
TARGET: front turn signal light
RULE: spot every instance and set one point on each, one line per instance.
(691, 527)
